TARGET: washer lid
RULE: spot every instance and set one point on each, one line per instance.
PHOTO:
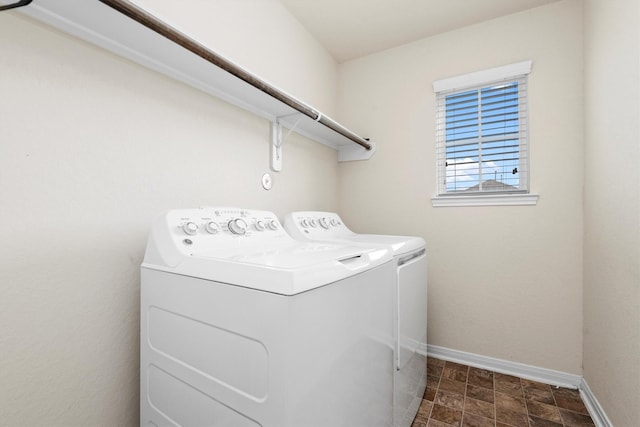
(399, 245)
(284, 255)
(286, 269)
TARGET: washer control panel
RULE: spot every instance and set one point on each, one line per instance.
(211, 228)
(315, 225)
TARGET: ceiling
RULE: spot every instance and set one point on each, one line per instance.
(349, 29)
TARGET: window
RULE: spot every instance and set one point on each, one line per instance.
(482, 134)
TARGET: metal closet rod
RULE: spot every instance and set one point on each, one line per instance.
(18, 3)
(177, 37)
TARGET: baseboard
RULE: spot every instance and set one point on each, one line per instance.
(534, 373)
(598, 415)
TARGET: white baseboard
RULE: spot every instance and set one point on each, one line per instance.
(598, 415)
(548, 376)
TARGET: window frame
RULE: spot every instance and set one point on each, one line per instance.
(476, 81)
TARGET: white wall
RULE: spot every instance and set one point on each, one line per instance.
(612, 207)
(92, 148)
(504, 282)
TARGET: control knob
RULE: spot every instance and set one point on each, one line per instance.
(304, 223)
(324, 222)
(212, 227)
(238, 226)
(190, 228)
(334, 222)
(272, 224)
(259, 225)
(313, 222)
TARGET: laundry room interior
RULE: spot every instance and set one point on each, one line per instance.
(94, 147)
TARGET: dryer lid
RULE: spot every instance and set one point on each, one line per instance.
(329, 227)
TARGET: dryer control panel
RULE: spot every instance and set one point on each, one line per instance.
(316, 225)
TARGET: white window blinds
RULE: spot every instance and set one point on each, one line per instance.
(482, 144)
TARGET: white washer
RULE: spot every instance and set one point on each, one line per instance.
(410, 301)
(241, 325)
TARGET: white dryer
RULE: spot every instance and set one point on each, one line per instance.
(241, 325)
(410, 301)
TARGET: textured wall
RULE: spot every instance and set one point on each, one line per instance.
(504, 281)
(612, 207)
(92, 148)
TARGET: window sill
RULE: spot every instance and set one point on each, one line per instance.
(485, 200)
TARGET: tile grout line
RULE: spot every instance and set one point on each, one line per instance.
(524, 399)
(555, 402)
(464, 396)
(526, 406)
(495, 400)
(433, 403)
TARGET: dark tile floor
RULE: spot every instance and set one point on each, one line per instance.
(463, 396)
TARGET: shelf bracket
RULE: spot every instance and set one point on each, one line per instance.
(276, 145)
(277, 139)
